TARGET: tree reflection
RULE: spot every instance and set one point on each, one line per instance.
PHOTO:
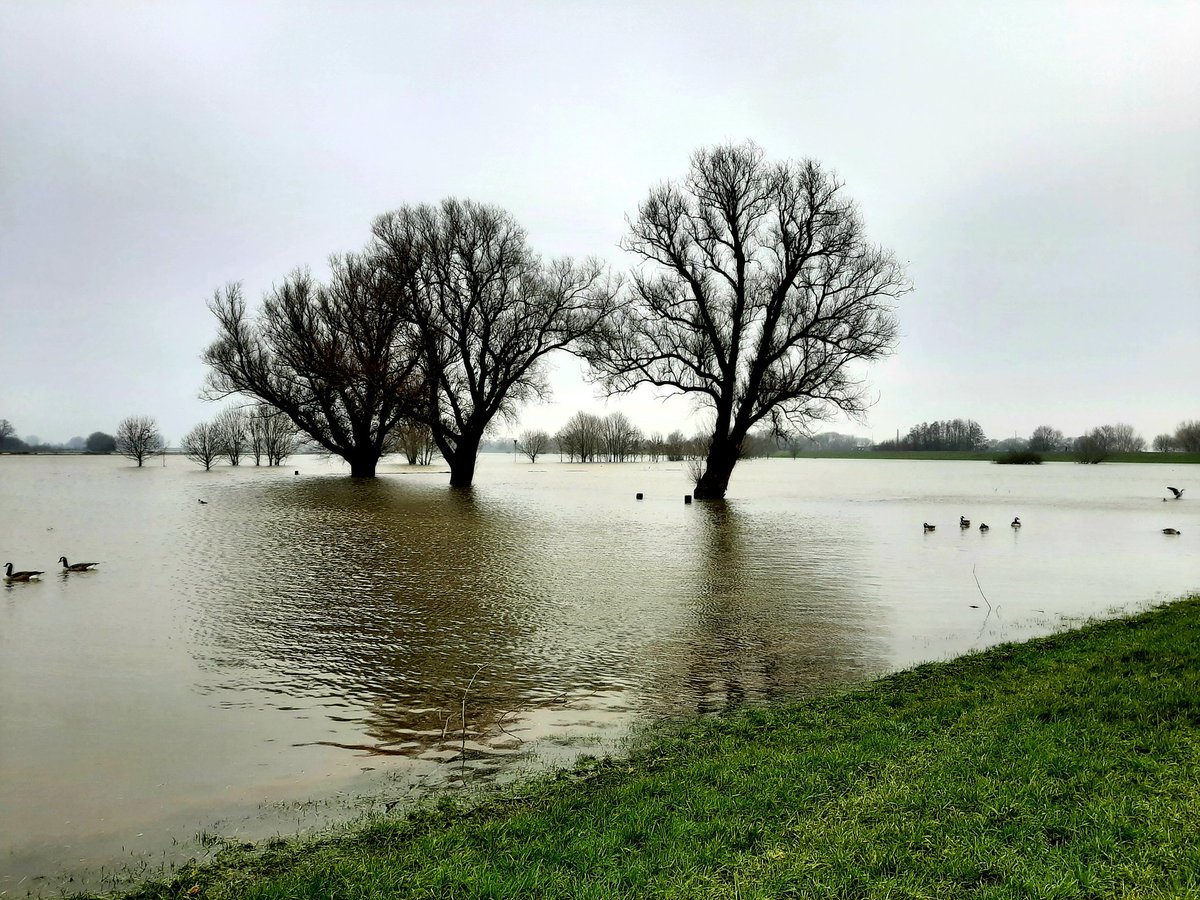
(772, 617)
(374, 601)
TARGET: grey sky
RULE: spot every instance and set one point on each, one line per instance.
(1036, 164)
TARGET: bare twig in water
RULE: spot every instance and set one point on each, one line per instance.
(463, 747)
(981, 593)
(557, 698)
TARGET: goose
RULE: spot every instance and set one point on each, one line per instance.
(76, 567)
(1172, 531)
(983, 526)
(928, 527)
(1016, 522)
(964, 522)
(10, 575)
(1178, 492)
(205, 502)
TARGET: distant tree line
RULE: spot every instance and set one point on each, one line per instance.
(948, 434)
(96, 442)
(589, 438)
(1093, 446)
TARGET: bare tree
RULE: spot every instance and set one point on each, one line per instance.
(335, 358)
(580, 439)
(485, 311)
(1187, 436)
(233, 429)
(620, 438)
(1164, 443)
(758, 293)
(534, 443)
(1046, 438)
(415, 440)
(8, 436)
(138, 437)
(1103, 441)
(204, 444)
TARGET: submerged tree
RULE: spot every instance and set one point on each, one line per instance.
(415, 441)
(204, 444)
(484, 311)
(138, 438)
(233, 433)
(757, 293)
(334, 358)
(534, 443)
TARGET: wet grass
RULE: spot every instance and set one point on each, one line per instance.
(990, 456)
(1063, 767)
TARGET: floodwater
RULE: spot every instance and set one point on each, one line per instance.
(302, 647)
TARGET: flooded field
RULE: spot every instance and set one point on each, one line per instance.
(300, 647)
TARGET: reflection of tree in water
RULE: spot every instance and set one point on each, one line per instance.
(773, 616)
(371, 596)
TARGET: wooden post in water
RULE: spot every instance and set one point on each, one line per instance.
(687, 498)
(639, 496)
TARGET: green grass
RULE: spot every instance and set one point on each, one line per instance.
(1063, 767)
(989, 455)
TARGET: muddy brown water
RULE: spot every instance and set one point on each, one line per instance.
(298, 648)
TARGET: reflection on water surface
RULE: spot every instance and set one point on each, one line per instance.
(296, 636)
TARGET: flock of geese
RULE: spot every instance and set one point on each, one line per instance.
(965, 523)
(32, 574)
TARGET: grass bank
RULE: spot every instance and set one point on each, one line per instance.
(989, 455)
(1062, 767)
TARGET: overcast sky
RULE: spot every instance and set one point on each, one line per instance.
(1037, 166)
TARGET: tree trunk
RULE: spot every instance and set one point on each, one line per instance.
(462, 460)
(362, 467)
(722, 457)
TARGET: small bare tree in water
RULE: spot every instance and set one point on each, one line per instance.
(534, 443)
(415, 441)
(204, 444)
(758, 293)
(138, 438)
(234, 431)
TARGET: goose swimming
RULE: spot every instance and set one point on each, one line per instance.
(10, 575)
(76, 567)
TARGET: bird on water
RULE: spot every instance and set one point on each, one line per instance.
(1016, 522)
(983, 526)
(10, 575)
(964, 522)
(76, 567)
(928, 527)
(1172, 531)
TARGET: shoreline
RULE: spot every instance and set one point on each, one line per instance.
(1065, 764)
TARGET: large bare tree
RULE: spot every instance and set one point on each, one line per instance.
(138, 438)
(484, 311)
(334, 358)
(758, 293)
